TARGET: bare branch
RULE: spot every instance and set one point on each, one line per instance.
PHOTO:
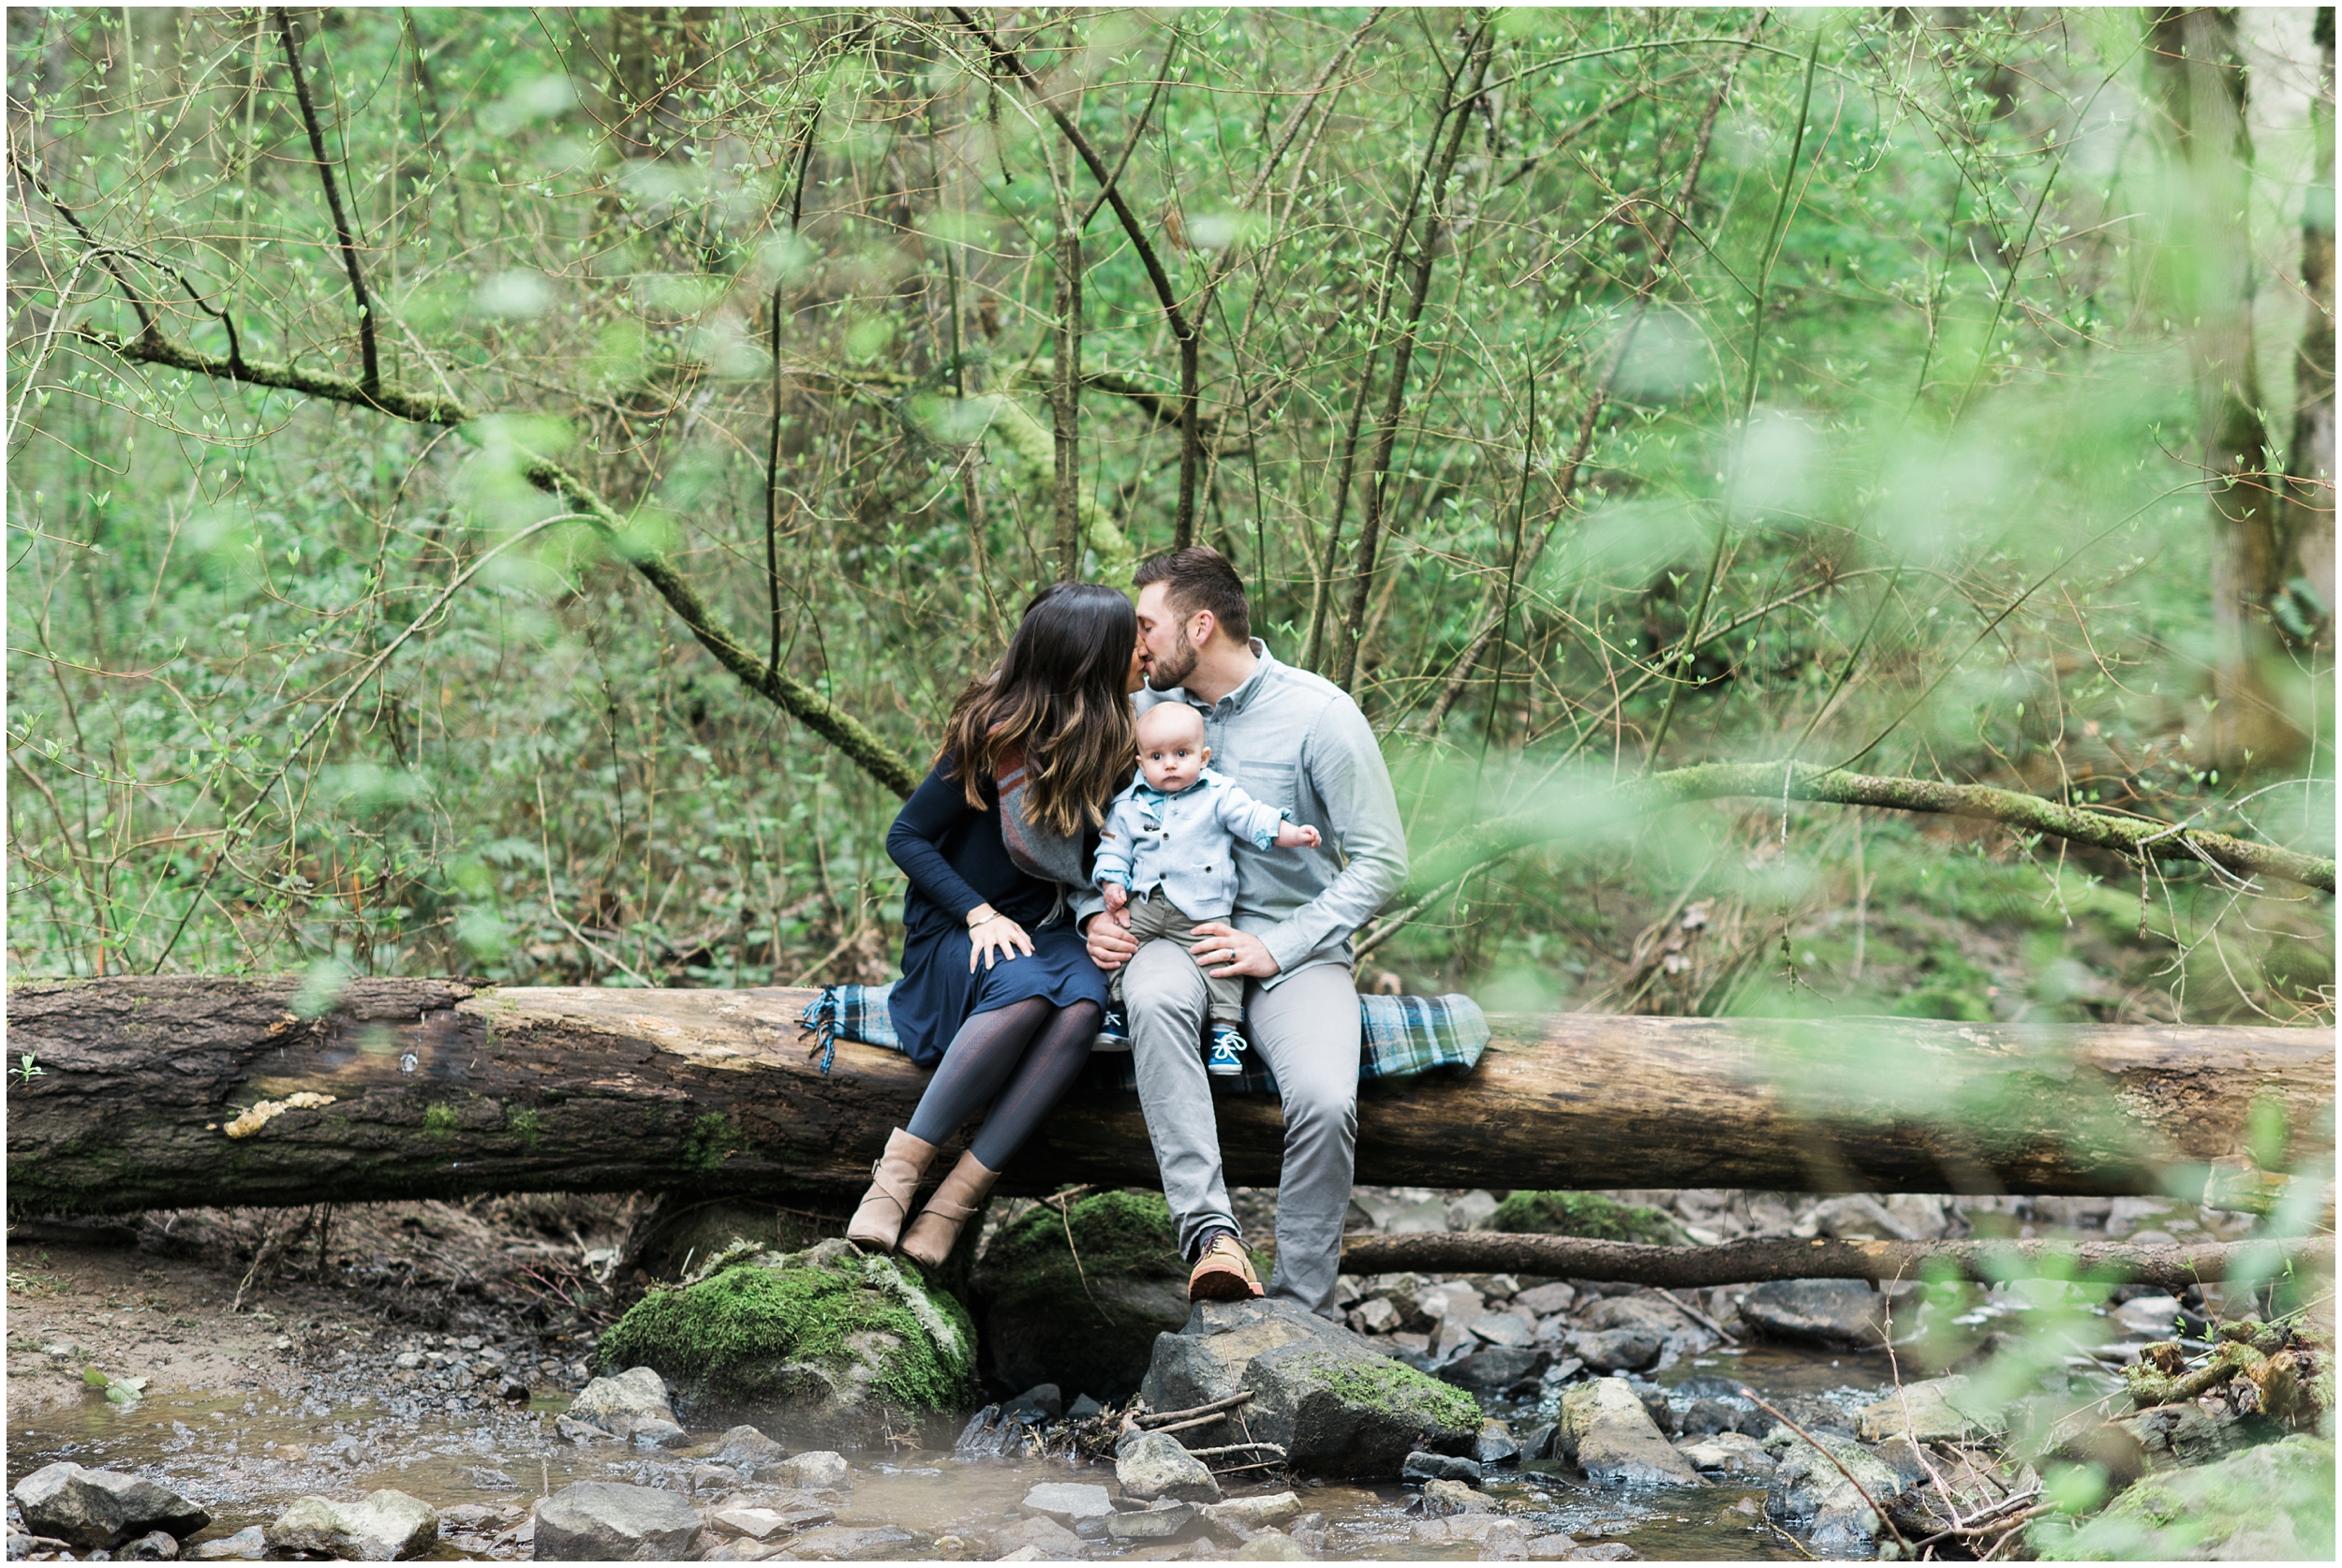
(370, 373)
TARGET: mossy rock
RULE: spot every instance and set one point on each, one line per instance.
(1082, 1315)
(1586, 1214)
(827, 1338)
(2273, 1503)
(676, 1235)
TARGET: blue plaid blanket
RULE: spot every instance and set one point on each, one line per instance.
(1402, 1036)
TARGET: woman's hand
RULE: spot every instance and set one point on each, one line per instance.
(995, 939)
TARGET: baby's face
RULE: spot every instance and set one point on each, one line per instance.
(1171, 755)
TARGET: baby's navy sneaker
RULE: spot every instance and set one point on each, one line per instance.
(1114, 1029)
(1228, 1046)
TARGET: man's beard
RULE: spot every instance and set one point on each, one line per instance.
(1166, 671)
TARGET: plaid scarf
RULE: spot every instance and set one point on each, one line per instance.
(1402, 1037)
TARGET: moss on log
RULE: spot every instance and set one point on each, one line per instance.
(435, 1089)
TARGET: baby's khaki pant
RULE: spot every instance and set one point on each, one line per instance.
(1155, 918)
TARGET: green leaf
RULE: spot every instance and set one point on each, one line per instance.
(94, 1377)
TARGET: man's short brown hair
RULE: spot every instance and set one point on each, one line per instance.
(1200, 578)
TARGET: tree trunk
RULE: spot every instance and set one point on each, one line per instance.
(438, 1089)
(2309, 470)
(2199, 70)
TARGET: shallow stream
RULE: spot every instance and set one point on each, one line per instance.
(244, 1453)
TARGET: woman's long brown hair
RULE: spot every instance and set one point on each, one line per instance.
(1060, 699)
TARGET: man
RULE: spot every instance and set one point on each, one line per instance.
(1295, 741)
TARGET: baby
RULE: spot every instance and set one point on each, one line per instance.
(1165, 861)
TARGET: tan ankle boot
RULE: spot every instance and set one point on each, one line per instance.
(955, 1203)
(894, 1181)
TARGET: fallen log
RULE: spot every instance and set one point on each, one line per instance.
(1758, 1259)
(186, 1091)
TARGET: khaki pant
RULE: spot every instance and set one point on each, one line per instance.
(1306, 1028)
(1155, 918)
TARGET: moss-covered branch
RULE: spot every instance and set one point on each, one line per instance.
(808, 706)
(1761, 1258)
(2130, 835)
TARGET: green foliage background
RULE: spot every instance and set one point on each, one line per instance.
(1910, 380)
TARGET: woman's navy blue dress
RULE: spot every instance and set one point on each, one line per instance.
(955, 858)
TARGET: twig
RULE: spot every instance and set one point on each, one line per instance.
(1750, 1394)
(370, 374)
(1701, 1318)
(1276, 1448)
(1155, 1421)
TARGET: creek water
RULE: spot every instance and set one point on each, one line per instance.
(244, 1453)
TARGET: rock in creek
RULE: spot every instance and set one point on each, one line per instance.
(1443, 1498)
(1615, 1350)
(1942, 1410)
(1841, 1313)
(1733, 1453)
(628, 1403)
(1165, 1521)
(1081, 1311)
(1495, 1444)
(1271, 1545)
(1069, 1502)
(1807, 1489)
(1609, 1434)
(1151, 1466)
(1421, 1467)
(748, 1452)
(855, 1544)
(381, 1527)
(1255, 1512)
(825, 1334)
(607, 1521)
(101, 1508)
(248, 1544)
(2273, 1503)
(1337, 1406)
(1494, 1370)
(155, 1546)
(1047, 1540)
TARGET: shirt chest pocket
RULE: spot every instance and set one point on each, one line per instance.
(1271, 783)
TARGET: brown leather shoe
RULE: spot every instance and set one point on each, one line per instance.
(1223, 1273)
(894, 1181)
(956, 1201)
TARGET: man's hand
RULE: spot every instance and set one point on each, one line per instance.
(1111, 944)
(1218, 943)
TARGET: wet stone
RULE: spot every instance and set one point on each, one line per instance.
(819, 1470)
(101, 1508)
(381, 1527)
(1154, 1524)
(1612, 1350)
(1045, 1537)
(848, 1544)
(1271, 1545)
(1069, 1500)
(1443, 1498)
(622, 1404)
(1841, 1313)
(608, 1522)
(1495, 1443)
(1941, 1410)
(1423, 1467)
(1255, 1512)
(1494, 1370)
(1808, 1489)
(1610, 1436)
(1152, 1466)
(155, 1546)
(248, 1544)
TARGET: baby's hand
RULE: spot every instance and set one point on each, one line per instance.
(1116, 898)
(1293, 836)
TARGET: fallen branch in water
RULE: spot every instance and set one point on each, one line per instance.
(1735, 1263)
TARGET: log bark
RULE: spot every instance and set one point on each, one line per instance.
(440, 1089)
(1739, 1263)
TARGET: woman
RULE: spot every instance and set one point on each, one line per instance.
(997, 984)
